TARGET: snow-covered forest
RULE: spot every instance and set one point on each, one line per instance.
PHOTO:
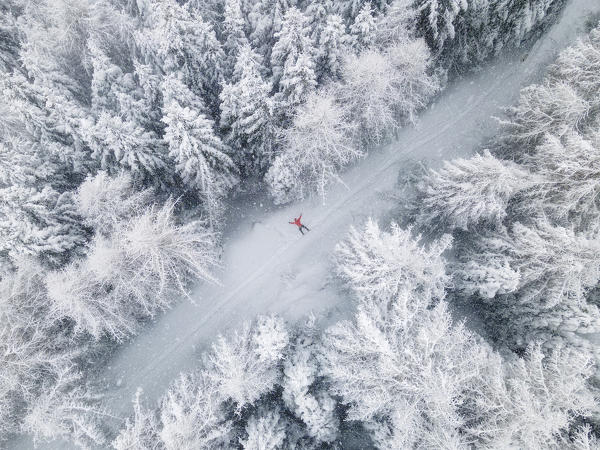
(131, 131)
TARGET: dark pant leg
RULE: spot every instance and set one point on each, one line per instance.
(300, 229)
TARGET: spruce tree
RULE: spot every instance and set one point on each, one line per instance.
(200, 157)
(247, 115)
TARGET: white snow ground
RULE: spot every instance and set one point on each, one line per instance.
(269, 267)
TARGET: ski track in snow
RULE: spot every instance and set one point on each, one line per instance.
(268, 267)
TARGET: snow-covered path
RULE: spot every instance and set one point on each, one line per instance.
(269, 267)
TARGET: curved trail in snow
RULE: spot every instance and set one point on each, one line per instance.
(270, 268)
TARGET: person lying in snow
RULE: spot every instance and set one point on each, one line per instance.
(299, 224)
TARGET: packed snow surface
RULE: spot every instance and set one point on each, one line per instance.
(269, 267)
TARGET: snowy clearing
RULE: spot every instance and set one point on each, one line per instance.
(268, 267)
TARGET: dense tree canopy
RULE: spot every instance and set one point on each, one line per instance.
(127, 126)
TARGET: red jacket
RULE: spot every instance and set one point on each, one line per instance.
(297, 221)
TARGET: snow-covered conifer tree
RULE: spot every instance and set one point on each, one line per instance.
(141, 432)
(266, 18)
(567, 188)
(533, 401)
(302, 394)
(545, 109)
(122, 132)
(234, 35)
(265, 430)
(579, 63)
(200, 156)
(292, 61)
(414, 82)
(106, 202)
(9, 40)
(396, 25)
(315, 148)
(149, 81)
(25, 163)
(53, 53)
(438, 20)
(282, 179)
(43, 223)
(119, 143)
(379, 265)
(552, 262)
(192, 415)
(466, 192)
(534, 281)
(34, 120)
(383, 89)
(563, 103)
(462, 33)
(174, 90)
(32, 347)
(318, 12)
(368, 92)
(65, 409)
(362, 31)
(297, 82)
(108, 80)
(56, 57)
(247, 115)
(583, 439)
(179, 40)
(331, 47)
(244, 366)
(349, 9)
